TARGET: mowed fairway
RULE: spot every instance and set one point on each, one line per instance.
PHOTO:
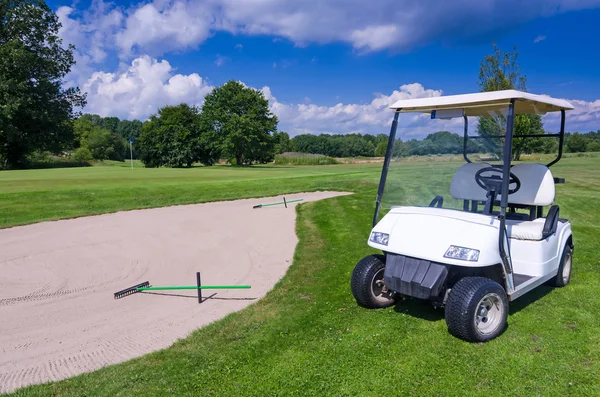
(308, 336)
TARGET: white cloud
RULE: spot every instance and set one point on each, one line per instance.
(162, 26)
(238, 47)
(158, 27)
(584, 118)
(374, 117)
(539, 38)
(220, 60)
(142, 88)
(375, 38)
(92, 32)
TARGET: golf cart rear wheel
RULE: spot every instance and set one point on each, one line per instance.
(476, 309)
(367, 283)
(564, 268)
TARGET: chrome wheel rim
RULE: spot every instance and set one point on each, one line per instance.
(566, 273)
(489, 313)
(378, 289)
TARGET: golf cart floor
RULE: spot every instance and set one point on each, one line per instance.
(520, 278)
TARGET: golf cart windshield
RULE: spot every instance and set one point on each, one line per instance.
(421, 170)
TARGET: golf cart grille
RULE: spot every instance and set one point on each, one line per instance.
(414, 277)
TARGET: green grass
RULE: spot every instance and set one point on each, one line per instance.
(303, 159)
(307, 336)
(34, 195)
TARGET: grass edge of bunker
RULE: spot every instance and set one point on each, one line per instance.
(501, 254)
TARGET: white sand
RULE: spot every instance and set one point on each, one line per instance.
(58, 317)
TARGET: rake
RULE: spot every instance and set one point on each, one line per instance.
(284, 202)
(145, 286)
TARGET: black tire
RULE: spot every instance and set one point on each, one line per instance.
(563, 276)
(367, 282)
(476, 309)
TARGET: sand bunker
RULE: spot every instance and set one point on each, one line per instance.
(58, 317)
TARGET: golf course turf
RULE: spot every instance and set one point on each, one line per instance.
(308, 336)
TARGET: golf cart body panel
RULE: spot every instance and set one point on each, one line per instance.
(427, 233)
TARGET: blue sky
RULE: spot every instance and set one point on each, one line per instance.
(330, 65)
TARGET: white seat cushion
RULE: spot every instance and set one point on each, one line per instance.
(537, 185)
(525, 230)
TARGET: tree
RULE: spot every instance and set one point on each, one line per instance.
(381, 149)
(240, 117)
(282, 142)
(36, 113)
(593, 146)
(576, 142)
(502, 71)
(173, 138)
(101, 144)
(82, 127)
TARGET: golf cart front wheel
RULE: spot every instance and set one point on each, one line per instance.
(476, 309)
(367, 283)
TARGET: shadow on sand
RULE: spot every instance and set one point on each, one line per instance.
(211, 297)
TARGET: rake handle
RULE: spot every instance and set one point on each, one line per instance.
(193, 287)
(282, 202)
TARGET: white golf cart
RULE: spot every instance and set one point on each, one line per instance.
(492, 243)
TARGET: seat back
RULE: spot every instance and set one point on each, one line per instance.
(537, 185)
(464, 186)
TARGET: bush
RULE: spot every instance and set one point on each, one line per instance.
(82, 154)
(43, 160)
(303, 159)
(593, 147)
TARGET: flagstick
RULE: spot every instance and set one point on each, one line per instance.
(131, 153)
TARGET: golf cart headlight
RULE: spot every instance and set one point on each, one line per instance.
(380, 238)
(462, 253)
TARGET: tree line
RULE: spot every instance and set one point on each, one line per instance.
(158, 144)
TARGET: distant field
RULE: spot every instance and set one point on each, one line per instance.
(308, 336)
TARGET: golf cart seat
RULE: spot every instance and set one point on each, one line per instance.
(537, 189)
(537, 185)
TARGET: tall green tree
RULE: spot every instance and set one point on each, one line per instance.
(502, 71)
(282, 142)
(241, 118)
(36, 112)
(173, 138)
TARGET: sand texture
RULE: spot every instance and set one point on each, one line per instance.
(58, 317)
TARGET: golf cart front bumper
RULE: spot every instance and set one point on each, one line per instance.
(414, 277)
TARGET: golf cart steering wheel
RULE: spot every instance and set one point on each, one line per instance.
(494, 182)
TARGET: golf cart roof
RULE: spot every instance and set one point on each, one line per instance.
(481, 103)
